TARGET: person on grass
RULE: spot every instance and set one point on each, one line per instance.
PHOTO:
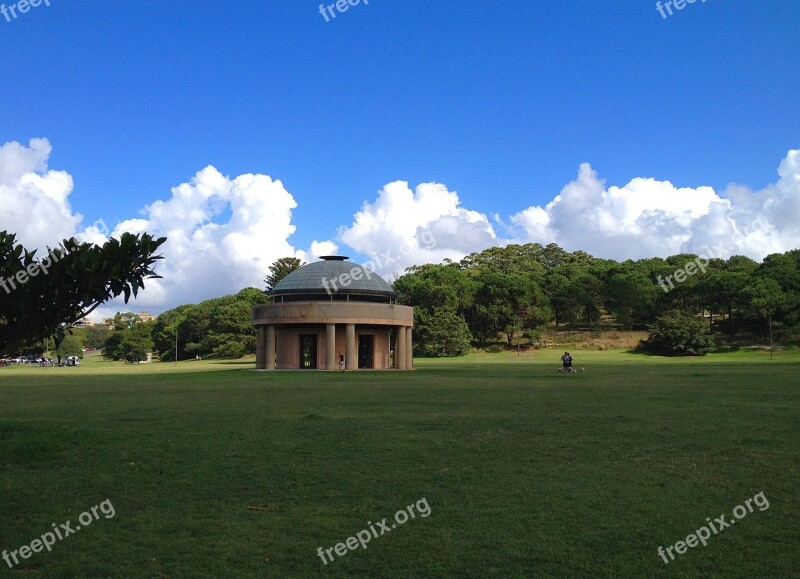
(566, 359)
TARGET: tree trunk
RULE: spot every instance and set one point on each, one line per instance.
(770, 336)
(730, 321)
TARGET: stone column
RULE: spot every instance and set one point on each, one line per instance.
(269, 354)
(400, 348)
(409, 350)
(330, 347)
(351, 349)
(261, 348)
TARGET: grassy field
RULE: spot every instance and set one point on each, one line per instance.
(216, 471)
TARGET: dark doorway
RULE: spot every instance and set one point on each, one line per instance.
(308, 351)
(366, 351)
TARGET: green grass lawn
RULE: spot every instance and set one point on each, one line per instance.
(216, 471)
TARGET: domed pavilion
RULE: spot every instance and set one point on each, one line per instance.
(333, 308)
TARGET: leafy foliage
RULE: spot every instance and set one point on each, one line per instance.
(209, 327)
(442, 334)
(131, 343)
(232, 349)
(508, 303)
(512, 292)
(69, 346)
(280, 269)
(679, 334)
(69, 284)
(96, 336)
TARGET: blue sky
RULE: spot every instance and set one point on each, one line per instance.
(500, 103)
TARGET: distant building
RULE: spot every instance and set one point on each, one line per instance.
(84, 323)
(145, 317)
(87, 323)
(330, 309)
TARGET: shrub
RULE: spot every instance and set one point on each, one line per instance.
(231, 349)
(679, 334)
(495, 348)
(441, 334)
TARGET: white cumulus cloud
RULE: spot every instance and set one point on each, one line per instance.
(648, 218)
(404, 227)
(223, 234)
(34, 200)
(318, 249)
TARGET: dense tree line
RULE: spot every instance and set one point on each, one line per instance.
(514, 291)
(219, 326)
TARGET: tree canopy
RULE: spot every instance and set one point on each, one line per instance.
(211, 327)
(280, 269)
(130, 341)
(507, 292)
(44, 296)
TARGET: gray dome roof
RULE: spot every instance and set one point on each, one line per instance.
(312, 279)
